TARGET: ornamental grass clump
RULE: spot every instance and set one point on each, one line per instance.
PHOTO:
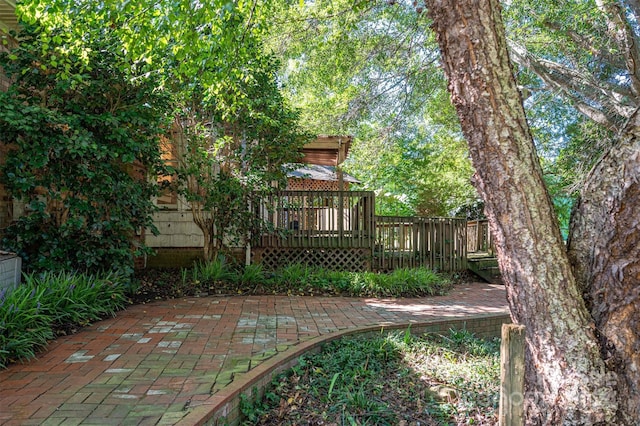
(47, 304)
(212, 272)
(222, 276)
(406, 282)
(24, 327)
(301, 279)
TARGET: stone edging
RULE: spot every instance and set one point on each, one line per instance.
(223, 408)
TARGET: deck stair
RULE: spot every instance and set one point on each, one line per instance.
(485, 266)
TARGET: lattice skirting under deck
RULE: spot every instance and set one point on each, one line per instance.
(352, 259)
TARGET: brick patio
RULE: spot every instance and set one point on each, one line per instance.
(155, 364)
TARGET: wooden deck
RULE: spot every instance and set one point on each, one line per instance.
(485, 266)
(479, 239)
(339, 229)
(481, 257)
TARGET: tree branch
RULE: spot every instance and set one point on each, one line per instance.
(604, 103)
(622, 33)
(586, 44)
(634, 7)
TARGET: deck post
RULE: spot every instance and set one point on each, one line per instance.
(512, 375)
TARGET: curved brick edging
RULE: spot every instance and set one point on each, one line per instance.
(224, 406)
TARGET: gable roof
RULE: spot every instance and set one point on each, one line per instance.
(327, 150)
(318, 172)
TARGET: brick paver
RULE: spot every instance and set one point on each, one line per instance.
(154, 363)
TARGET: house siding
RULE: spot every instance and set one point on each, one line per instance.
(177, 229)
(180, 241)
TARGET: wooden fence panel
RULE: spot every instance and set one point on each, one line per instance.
(408, 242)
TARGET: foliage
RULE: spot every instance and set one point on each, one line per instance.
(580, 50)
(351, 61)
(32, 313)
(252, 274)
(236, 131)
(82, 134)
(299, 279)
(565, 173)
(252, 407)
(427, 173)
(388, 379)
(233, 150)
(577, 86)
(234, 128)
(371, 69)
(223, 277)
(212, 271)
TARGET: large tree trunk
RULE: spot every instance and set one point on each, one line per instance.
(567, 381)
(604, 247)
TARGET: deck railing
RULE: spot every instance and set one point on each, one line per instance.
(479, 239)
(321, 219)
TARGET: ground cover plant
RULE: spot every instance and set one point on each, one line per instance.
(50, 304)
(450, 379)
(221, 276)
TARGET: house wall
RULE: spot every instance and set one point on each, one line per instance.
(180, 241)
(177, 229)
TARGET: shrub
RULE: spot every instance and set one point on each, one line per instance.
(301, 279)
(83, 135)
(213, 271)
(32, 312)
(24, 327)
(251, 275)
(220, 276)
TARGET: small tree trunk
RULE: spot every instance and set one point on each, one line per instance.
(210, 249)
(207, 226)
(566, 379)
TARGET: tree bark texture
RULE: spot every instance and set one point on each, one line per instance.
(567, 381)
(604, 248)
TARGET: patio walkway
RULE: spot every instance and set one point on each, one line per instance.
(154, 364)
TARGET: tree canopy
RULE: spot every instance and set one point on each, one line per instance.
(371, 69)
